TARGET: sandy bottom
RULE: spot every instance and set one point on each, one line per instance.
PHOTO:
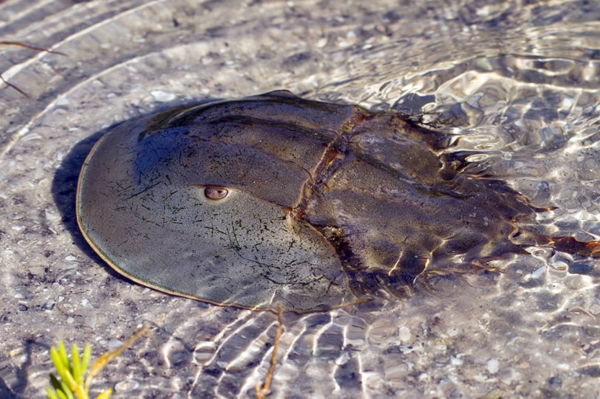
(531, 331)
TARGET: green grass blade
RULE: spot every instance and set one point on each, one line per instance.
(61, 369)
(64, 369)
(74, 378)
(51, 394)
(68, 393)
(87, 355)
(63, 355)
(76, 362)
(55, 358)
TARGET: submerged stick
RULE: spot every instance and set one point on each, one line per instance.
(261, 392)
(27, 46)
(13, 86)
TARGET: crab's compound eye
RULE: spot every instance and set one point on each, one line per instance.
(215, 193)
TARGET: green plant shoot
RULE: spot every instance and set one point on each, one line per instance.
(72, 382)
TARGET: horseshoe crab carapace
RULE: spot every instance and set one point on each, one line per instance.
(276, 199)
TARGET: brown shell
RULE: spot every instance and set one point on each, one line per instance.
(324, 204)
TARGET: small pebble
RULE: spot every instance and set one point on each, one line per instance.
(404, 333)
(493, 366)
(127, 385)
(162, 96)
(537, 273)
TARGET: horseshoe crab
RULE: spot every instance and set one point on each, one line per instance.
(276, 199)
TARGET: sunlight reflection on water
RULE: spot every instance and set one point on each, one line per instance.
(517, 82)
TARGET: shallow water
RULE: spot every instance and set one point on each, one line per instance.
(517, 82)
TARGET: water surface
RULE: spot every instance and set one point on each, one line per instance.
(517, 82)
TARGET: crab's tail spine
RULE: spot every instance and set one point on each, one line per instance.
(572, 246)
(564, 244)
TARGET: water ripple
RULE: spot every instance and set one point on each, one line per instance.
(515, 83)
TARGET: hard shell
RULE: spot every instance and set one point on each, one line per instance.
(325, 204)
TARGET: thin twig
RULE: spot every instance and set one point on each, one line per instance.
(261, 392)
(105, 358)
(27, 46)
(13, 86)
